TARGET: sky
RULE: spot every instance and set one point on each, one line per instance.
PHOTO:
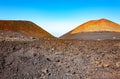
(59, 16)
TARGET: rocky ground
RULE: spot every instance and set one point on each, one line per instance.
(59, 59)
(15, 36)
(102, 35)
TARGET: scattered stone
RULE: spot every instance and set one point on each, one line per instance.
(118, 64)
(23, 60)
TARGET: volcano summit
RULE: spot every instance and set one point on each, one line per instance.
(95, 29)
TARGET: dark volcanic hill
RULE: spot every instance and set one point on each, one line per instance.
(25, 27)
(95, 29)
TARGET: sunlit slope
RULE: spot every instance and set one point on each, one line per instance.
(25, 27)
(94, 29)
(97, 25)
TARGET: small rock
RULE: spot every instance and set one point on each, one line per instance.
(48, 59)
(45, 70)
(52, 49)
(106, 64)
(117, 64)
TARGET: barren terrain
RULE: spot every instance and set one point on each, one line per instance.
(102, 35)
(24, 27)
(28, 52)
(101, 29)
(60, 59)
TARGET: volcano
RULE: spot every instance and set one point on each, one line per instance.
(95, 29)
(24, 27)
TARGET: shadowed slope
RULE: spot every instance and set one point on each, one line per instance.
(25, 27)
(95, 29)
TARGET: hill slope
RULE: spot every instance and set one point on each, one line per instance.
(25, 27)
(97, 28)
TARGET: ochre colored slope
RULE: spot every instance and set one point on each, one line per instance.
(25, 27)
(97, 25)
(95, 29)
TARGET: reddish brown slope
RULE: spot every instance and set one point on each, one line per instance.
(97, 25)
(95, 29)
(25, 27)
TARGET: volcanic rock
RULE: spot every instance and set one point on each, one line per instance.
(16, 36)
(70, 59)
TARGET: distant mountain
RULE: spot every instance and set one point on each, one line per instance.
(25, 27)
(95, 29)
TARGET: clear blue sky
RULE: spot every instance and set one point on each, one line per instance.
(59, 16)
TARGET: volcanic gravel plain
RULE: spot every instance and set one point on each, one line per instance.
(25, 57)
